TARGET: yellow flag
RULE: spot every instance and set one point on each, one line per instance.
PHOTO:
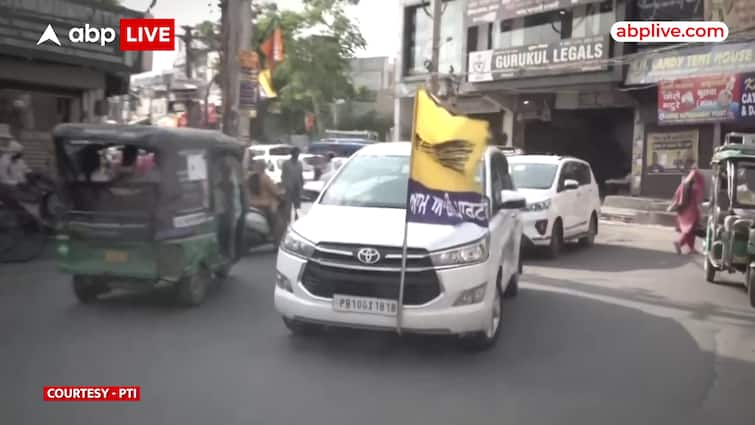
(266, 84)
(446, 153)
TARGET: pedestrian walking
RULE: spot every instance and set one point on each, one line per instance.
(292, 178)
(686, 204)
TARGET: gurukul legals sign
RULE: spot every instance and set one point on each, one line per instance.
(567, 56)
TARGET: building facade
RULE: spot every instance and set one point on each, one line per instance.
(689, 97)
(43, 85)
(549, 78)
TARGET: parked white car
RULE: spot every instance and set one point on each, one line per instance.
(274, 165)
(340, 264)
(563, 202)
(267, 151)
(313, 188)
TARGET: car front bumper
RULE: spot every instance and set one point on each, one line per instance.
(530, 222)
(439, 316)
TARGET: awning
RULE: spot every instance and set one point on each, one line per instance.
(708, 59)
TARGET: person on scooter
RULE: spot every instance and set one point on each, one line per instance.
(265, 196)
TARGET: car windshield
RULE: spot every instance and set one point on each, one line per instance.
(374, 181)
(746, 184)
(532, 176)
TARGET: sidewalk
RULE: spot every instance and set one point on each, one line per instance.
(631, 209)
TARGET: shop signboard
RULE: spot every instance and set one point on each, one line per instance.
(249, 81)
(671, 152)
(660, 10)
(689, 62)
(699, 99)
(738, 15)
(493, 10)
(567, 56)
(747, 98)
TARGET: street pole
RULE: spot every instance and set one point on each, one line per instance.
(245, 44)
(434, 65)
(237, 30)
(188, 38)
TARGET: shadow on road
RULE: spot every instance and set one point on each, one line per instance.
(164, 298)
(610, 258)
(700, 311)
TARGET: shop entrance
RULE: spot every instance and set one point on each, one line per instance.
(602, 137)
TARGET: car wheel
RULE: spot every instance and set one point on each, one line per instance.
(589, 239)
(557, 240)
(192, 289)
(751, 285)
(86, 288)
(298, 327)
(710, 270)
(512, 290)
(486, 339)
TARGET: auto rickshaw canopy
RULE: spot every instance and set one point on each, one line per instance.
(161, 139)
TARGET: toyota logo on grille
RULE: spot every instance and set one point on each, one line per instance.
(368, 255)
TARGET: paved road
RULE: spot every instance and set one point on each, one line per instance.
(625, 332)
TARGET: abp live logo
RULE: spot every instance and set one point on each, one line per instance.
(135, 34)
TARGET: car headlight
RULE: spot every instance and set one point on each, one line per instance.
(539, 206)
(297, 245)
(475, 252)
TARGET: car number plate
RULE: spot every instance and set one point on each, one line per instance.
(116, 256)
(352, 304)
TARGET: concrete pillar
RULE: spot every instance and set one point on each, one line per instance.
(638, 152)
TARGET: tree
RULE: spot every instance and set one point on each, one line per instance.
(318, 43)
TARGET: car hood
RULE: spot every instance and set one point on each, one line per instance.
(535, 195)
(379, 227)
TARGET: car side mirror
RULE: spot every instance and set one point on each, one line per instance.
(512, 200)
(571, 184)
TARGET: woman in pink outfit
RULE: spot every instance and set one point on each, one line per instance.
(686, 202)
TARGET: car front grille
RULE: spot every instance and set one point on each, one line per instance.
(345, 255)
(420, 287)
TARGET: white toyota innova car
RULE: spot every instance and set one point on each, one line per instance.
(340, 264)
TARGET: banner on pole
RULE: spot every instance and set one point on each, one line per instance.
(445, 161)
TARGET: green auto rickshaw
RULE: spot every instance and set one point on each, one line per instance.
(148, 206)
(730, 233)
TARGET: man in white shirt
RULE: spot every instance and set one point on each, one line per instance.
(13, 168)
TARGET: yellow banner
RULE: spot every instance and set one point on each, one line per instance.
(446, 149)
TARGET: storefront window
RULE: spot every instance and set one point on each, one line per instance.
(551, 27)
(420, 33)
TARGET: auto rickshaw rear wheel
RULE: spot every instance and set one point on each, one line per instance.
(192, 289)
(751, 285)
(87, 288)
(710, 270)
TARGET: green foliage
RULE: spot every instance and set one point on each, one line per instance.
(372, 121)
(318, 43)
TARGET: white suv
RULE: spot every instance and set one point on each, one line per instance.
(563, 202)
(340, 264)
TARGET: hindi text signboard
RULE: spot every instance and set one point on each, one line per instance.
(699, 99)
(671, 152)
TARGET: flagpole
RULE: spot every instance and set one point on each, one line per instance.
(404, 248)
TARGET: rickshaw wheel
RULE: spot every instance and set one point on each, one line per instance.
(751, 285)
(710, 271)
(86, 288)
(192, 289)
